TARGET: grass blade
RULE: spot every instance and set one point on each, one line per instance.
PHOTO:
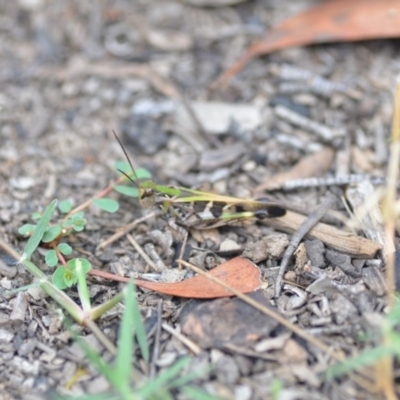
(39, 231)
(140, 331)
(125, 339)
(363, 359)
(194, 393)
(163, 380)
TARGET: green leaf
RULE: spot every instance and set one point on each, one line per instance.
(123, 367)
(58, 277)
(65, 206)
(51, 233)
(64, 249)
(179, 380)
(143, 173)
(68, 223)
(39, 231)
(78, 215)
(140, 173)
(51, 258)
(123, 166)
(36, 215)
(70, 278)
(108, 205)
(97, 360)
(140, 330)
(170, 191)
(81, 262)
(127, 190)
(367, 357)
(80, 267)
(79, 225)
(164, 378)
(26, 229)
(195, 393)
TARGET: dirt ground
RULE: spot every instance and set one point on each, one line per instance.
(71, 72)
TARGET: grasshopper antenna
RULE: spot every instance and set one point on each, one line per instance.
(129, 161)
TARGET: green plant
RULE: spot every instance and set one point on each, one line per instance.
(128, 384)
(52, 233)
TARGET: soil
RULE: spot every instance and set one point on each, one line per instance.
(73, 72)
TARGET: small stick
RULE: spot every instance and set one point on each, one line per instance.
(124, 230)
(156, 348)
(187, 342)
(139, 249)
(182, 252)
(305, 227)
(345, 242)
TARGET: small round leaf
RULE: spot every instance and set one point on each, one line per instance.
(70, 278)
(64, 248)
(36, 215)
(79, 262)
(65, 206)
(127, 190)
(51, 258)
(26, 229)
(140, 173)
(78, 215)
(58, 277)
(108, 205)
(143, 173)
(78, 228)
(78, 224)
(51, 233)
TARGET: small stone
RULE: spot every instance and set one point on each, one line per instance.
(26, 366)
(6, 336)
(22, 182)
(243, 392)
(27, 347)
(229, 245)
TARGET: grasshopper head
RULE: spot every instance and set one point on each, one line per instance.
(146, 197)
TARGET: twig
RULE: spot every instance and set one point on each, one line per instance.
(305, 227)
(139, 249)
(127, 228)
(156, 348)
(187, 342)
(355, 246)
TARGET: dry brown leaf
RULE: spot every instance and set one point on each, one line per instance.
(332, 21)
(239, 273)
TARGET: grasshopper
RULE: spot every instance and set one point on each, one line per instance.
(197, 209)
